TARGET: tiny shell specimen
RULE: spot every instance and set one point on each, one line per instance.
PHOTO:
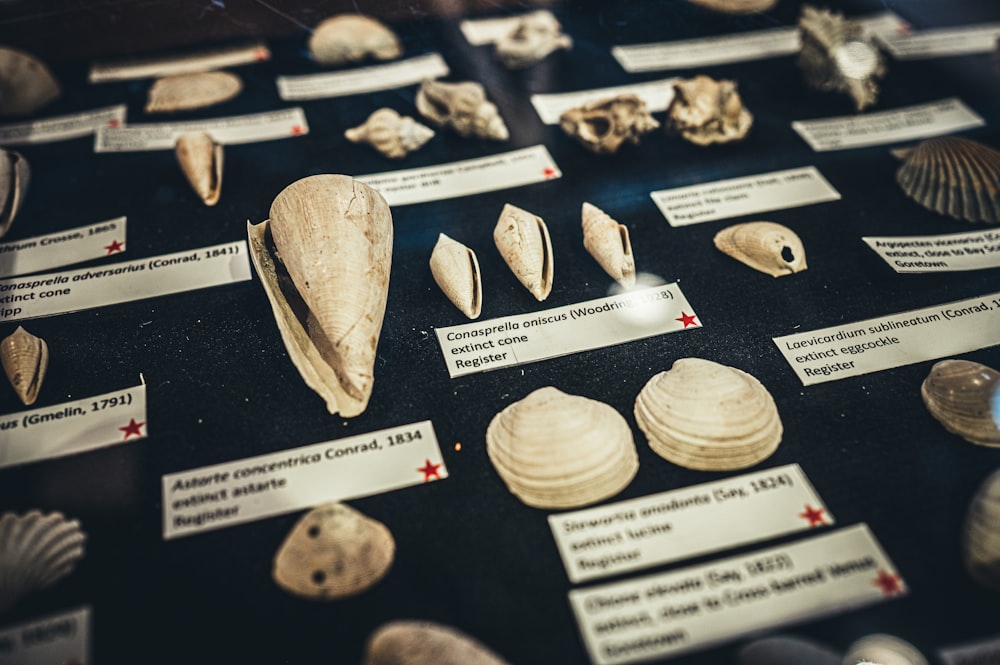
(185, 92)
(333, 552)
(36, 551)
(765, 246)
(953, 176)
(392, 135)
(14, 177)
(425, 643)
(348, 38)
(25, 359)
(532, 39)
(786, 650)
(523, 241)
(555, 450)
(963, 396)
(608, 242)
(981, 536)
(456, 270)
(708, 417)
(884, 650)
(200, 158)
(736, 6)
(705, 111)
(26, 84)
(602, 126)
(461, 106)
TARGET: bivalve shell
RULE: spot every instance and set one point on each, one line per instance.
(602, 126)
(425, 643)
(884, 650)
(26, 83)
(456, 271)
(787, 650)
(608, 242)
(981, 537)
(463, 107)
(36, 551)
(14, 177)
(349, 38)
(186, 92)
(705, 111)
(200, 158)
(523, 241)
(393, 135)
(964, 396)
(765, 246)
(25, 359)
(531, 40)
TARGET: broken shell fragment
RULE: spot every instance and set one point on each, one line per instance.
(765, 246)
(602, 126)
(705, 111)
(14, 177)
(608, 242)
(392, 135)
(200, 158)
(462, 107)
(736, 6)
(981, 537)
(26, 84)
(349, 38)
(186, 92)
(787, 650)
(531, 40)
(964, 396)
(425, 643)
(456, 270)
(25, 359)
(884, 650)
(523, 241)
(36, 551)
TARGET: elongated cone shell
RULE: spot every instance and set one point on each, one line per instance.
(185, 92)
(36, 551)
(786, 650)
(981, 537)
(964, 396)
(456, 270)
(26, 84)
(462, 107)
(736, 6)
(14, 177)
(333, 235)
(347, 38)
(602, 126)
(425, 643)
(608, 242)
(392, 135)
(765, 246)
(884, 650)
(523, 241)
(200, 158)
(25, 359)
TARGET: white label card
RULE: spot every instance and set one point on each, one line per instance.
(61, 128)
(984, 652)
(73, 427)
(515, 340)
(656, 94)
(526, 166)
(364, 79)
(222, 495)
(722, 199)
(58, 639)
(667, 614)
(882, 127)
(139, 68)
(70, 291)
(891, 341)
(942, 42)
(974, 250)
(63, 248)
(489, 30)
(670, 526)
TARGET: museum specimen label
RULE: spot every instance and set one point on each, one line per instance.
(62, 638)
(61, 128)
(62, 248)
(974, 250)
(670, 613)
(363, 79)
(935, 43)
(656, 94)
(981, 652)
(202, 61)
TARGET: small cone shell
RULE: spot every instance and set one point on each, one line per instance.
(964, 397)
(884, 650)
(463, 107)
(456, 270)
(392, 135)
(36, 551)
(425, 643)
(348, 38)
(26, 84)
(25, 359)
(608, 242)
(771, 248)
(200, 158)
(523, 241)
(981, 536)
(185, 92)
(14, 177)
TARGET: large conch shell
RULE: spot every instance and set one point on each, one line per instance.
(14, 177)
(523, 241)
(393, 135)
(884, 650)
(981, 536)
(555, 450)
(456, 270)
(736, 6)
(200, 158)
(185, 92)
(836, 55)
(26, 84)
(531, 40)
(461, 106)
(25, 359)
(953, 176)
(705, 111)
(348, 38)
(709, 417)
(608, 242)
(964, 396)
(36, 551)
(603, 125)
(333, 552)
(333, 236)
(765, 246)
(425, 643)
(787, 650)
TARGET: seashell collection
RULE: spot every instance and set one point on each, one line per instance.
(771, 248)
(425, 643)
(456, 271)
(964, 396)
(36, 551)
(533, 38)
(463, 107)
(26, 83)
(15, 174)
(200, 158)
(736, 6)
(608, 242)
(603, 126)
(350, 38)
(523, 241)
(705, 111)
(25, 359)
(884, 650)
(787, 650)
(981, 535)
(393, 135)
(186, 92)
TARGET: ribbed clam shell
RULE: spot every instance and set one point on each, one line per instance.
(786, 650)
(736, 6)
(523, 241)
(531, 40)
(765, 246)
(25, 359)
(954, 176)
(981, 536)
(425, 643)
(884, 650)
(706, 416)
(185, 92)
(36, 551)
(603, 125)
(456, 270)
(608, 242)
(555, 450)
(348, 38)
(200, 158)
(705, 111)
(393, 135)
(964, 396)
(26, 83)
(462, 107)
(14, 177)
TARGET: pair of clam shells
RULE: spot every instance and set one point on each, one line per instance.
(964, 396)
(196, 90)
(26, 83)
(426, 643)
(349, 38)
(768, 247)
(875, 649)
(200, 158)
(705, 111)
(531, 40)
(602, 126)
(393, 135)
(36, 551)
(462, 107)
(14, 177)
(25, 359)
(981, 537)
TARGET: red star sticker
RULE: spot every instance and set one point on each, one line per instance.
(260, 54)
(133, 428)
(888, 582)
(814, 515)
(114, 123)
(687, 319)
(548, 173)
(298, 130)
(430, 470)
(115, 246)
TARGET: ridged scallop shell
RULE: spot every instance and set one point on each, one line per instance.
(786, 650)
(953, 176)
(523, 241)
(964, 396)
(456, 270)
(608, 242)
(348, 38)
(462, 107)
(884, 650)
(765, 246)
(425, 643)
(602, 126)
(736, 6)
(705, 111)
(392, 135)
(324, 258)
(185, 92)
(531, 40)
(555, 450)
(709, 417)
(14, 177)
(200, 158)
(25, 359)
(26, 84)
(981, 535)
(36, 551)
(333, 552)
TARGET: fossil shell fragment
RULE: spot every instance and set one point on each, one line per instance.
(786, 650)
(425, 643)
(349, 38)
(765, 246)
(333, 236)
(736, 6)
(608, 242)
(36, 551)
(555, 450)
(532, 39)
(14, 177)
(709, 417)
(981, 536)
(200, 158)
(333, 552)
(964, 396)
(953, 176)
(461, 106)
(392, 135)
(705, 111)
(456, 270)
(602, 126)
(25, 359)
(26, 84)
(523, 241)
(185, 92)
(884, 650)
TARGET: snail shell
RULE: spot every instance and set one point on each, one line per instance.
(461, 106)
(36, 551)
(456, 270)
(348, 38)
(425, 643)
(26, 84)
(25, 359)
(531, 40)
(964, 397)
(602, 126)
(785, 650)
(981, 537)
(884, 650)
(200, 158)
(705, 111)
(523, 241)
(392, 135)
(608, 242)
(185, 92)
(14, 177)
(736, 6)
(765, 246)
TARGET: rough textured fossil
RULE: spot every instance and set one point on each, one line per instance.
(964, 396)
(981, 535)
(736, 6)
(523, 241)
(36, 551)
(765, 246)
(602, 126)
(185, 92)
(532, 39)
(884, 650)
(786, 650)
(425, 643)
(608, 242)
(456, 270)
(25, 359)
(200, 158)
(463, 107)
(14, 177)
(26, 84)
(706, 111)
(393, 135)
(349, 38)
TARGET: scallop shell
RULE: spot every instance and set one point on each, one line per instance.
(709, 417)
(333, 552)
(461, 106)
(425, 643)
(26, 84)
(953, 176)
(602, 126)
(329, 282)
(14, 177)
(392, 135)
(981, 535)
(786, 650)
(964, 396)
(884, 650)
(736, 6)
(555, 450)
(765, 246)
(185, 92)
(25, 359)
(523, 241)
(36, 551)
(705, 111)
(608, 242)
(456, 270)
(200, 158)
(348, 38)
(531, 40)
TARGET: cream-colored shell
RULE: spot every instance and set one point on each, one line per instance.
(884, 650)
(787, 650)
(602, 126)
(456, 271)
(425, 643)
(200, 158)
(186, 92)
(705, 111)
(36, 551)
(462, 107)
(555, 450)
(953, 176)
(765, 246)
(25, 359)
(333, 237)
(736, 6)
(393, 135)
(15, 174)
(349, 38)
(531, 40)
(26, 83)
(964, 396)
(608, 242)
(523, 241)
(981, 534)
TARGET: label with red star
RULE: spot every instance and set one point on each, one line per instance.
(61, 128)
(656, 94)
(362, 79)
(62, 248)
(66, 640)
(199, 61)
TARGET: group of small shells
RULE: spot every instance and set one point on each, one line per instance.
(874, 649)
(36, 551)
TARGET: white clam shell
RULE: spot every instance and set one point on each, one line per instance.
(200, 158)
(392, 135)
(463, 107)
(185, 92)
(964, 396)
(531, 40)
(36, 551)
(884, 650)
(608, 242)
(15, 174)
(25, 359)
(787, 650)
(349, 38)
(705, 111)
(981, 535)
(602, 126)
(765, 246)
(523, 241)
(425, 643)
(26, 83)
(456, 271)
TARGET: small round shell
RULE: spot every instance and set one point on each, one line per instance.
(463, 107)
(602, 126)
(608, 242)
(200, 158)
(25, 359)
(884, 650)
(185, 92)
(456, 270)
(26, 84)
(705, 111)
(425, 643)
(523, 241)
(392, 135)
(765, 246)
(964, 397)
(349, 38)
(36, 551)
(14, 177)
(786, 650)
(981, 537)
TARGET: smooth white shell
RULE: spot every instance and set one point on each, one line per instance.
(523, 241)
(771, 248)
(456, 271)
(393, 135)
(26, 83)
(36, 551)
(608, 242)
(185, 92)
(349, 38)
(200, 158)
(964, 396)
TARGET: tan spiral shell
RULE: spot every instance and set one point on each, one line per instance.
(36, 551)
(705, 111)
(463, 107)
(964, 396)
(425, 643)
(456, 271)
(981, 535)
(602, 126)
(14, 177)
(608, 242)
(765, 246)
(533, 37)
(523, 241)
(884, 650)
(186, 92)
(349, 38)
(200, 158)
(26, 83)
(393, 135)
(25, 359)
